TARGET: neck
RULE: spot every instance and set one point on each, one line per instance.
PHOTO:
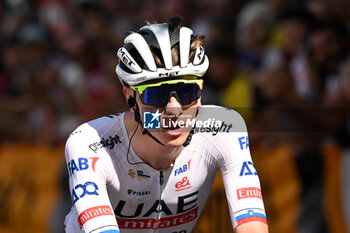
(150, 151)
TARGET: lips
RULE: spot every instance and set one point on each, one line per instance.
(173, 125)
(174, 131)
(175, 128)
(178, 124)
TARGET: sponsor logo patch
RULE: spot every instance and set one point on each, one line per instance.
(214, 130)
(183, 169)
(243, 142)
(151, 223)
(110, 143)
(182, 184)
(184, 204)
(80, 164)
(248, 193)
(248, 169)
(139, 174)
(93, 212)
(80, 190)
(138, 193)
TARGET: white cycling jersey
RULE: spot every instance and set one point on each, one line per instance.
(113, 191)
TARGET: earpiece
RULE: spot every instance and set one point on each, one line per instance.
(131, 102)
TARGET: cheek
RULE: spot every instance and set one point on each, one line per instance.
(199, 102)
(191, 111)
(192, 107)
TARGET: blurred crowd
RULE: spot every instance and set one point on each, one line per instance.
(58, 58)
(284, 64)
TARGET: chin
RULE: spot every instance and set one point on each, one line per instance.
(175, 143)
(172, 139)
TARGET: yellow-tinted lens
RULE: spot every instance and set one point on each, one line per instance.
(141, 88)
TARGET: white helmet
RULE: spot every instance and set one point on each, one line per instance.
(137, 64)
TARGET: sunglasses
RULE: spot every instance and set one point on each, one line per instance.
(159, 94)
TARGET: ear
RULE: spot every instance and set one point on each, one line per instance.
(128, 93)
(199, 102)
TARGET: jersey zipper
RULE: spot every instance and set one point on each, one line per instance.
(161, 178)
(161, 181)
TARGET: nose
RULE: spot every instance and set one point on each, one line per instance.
(173, 107)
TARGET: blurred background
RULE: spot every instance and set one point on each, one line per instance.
(283, 64)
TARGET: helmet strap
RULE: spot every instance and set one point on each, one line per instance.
(189, 137)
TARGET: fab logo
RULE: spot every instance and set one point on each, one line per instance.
(243, 142)
(183, 169)
(80, 164)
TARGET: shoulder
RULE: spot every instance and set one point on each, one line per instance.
(218, 128)
(97, 127)
(102, 132)
(225, 142)
(216, 119)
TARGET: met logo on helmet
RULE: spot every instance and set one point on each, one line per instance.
(126, 59)
(169, 74)
(199, 55)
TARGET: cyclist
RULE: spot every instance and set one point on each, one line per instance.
(130, 172)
